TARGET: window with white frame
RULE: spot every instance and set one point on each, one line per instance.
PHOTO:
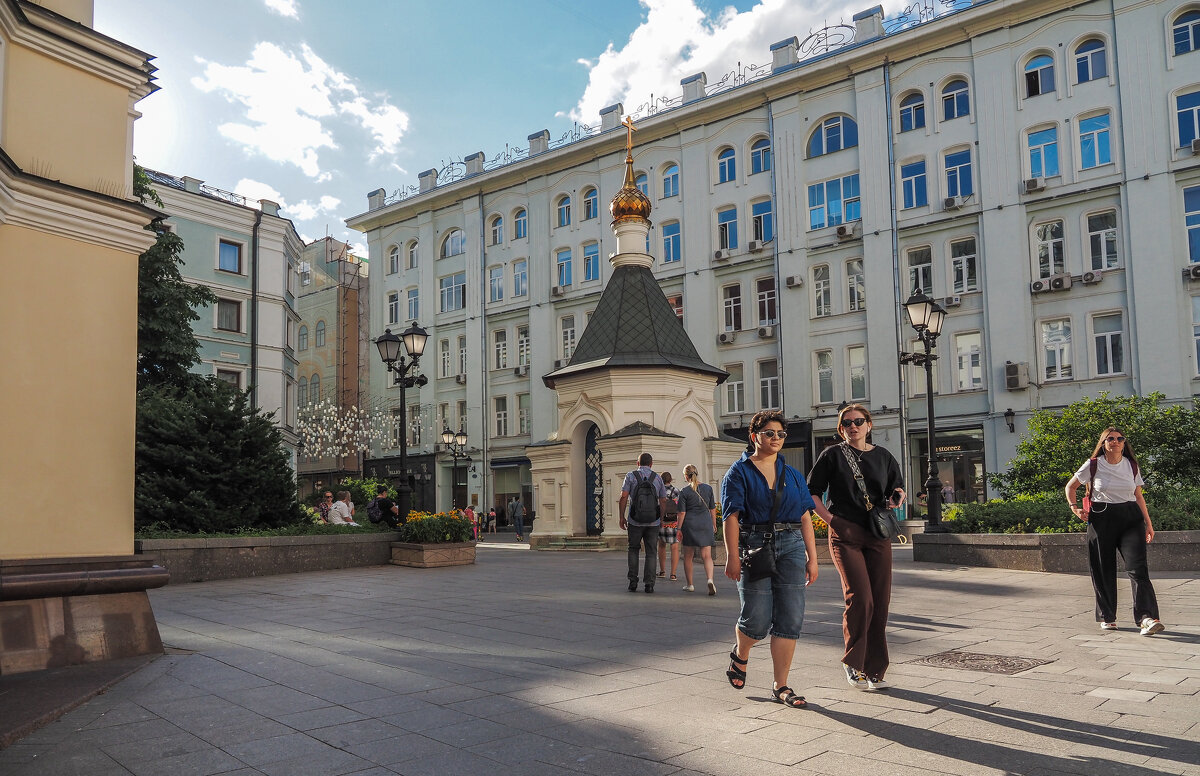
(727, 239)
(1185, 32)
(445, 360)
(413, 255)
(393, 307)
(671, 239)
(1090, 62)
(393, 259)
(920, 269)
(562, 260)
(520, 225)
(726, 165)
(567, 327)
(1050, 248)
(591, 203)
(496, 284)
(231, 376)
(454, 243)
(397, 427)
(912, 184)
(229, 317)
(760, 156)
(520, 277)
(824, 376)
(856, 287)
(959, 182)
(833, 134)
(524, 413)
(563, 210)
(1056, 349)
(500, 410)
(912, 112)
(856, 366)
(229, 256)
(676, 302)
(768, 384)
(522, 346)
(963, 265)
(956, 100)
(1039, 76)
(833, 202)
(591, 261)
(968, 361)
(443, 415)
(1191, 220)
(414, 425)
(1043, 153)
(462, 354)
(916, 374)
(452, 290)
(461, 407)
(500, 349)
(671, 181)
(1109, 350)
(762, 221)
(1196, 330)
(1093, 141)
(1187, 117)
(414, 304)
(735, 389)
(768, 313)
(731, 305)
(822, 292)
(1102, 240)
(642, 182)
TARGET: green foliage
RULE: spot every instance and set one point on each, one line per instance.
(1166, 439)
(434, 529)
(362, 492)
(1171, 509)
(165, 531)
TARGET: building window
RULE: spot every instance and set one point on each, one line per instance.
(735, 390)
(1191, 220)
(768, 313)
(393, 307)
(822, 292)
(856, 360)
(454, 244)
(726, 165)
(912, 112)
(567, 326)
(727, 239)
(671, 181)
(397, 428)
(320, 334)
(302, 391)
(833, 135)
(1039, 76)
(1110, 355)
(461, 408)
(231, 376)
(393, 259)
(958, 174)
(1196, 329)
(1186, 32)
(912, 184)
(591, 204)
(414, 425)
(1056, 349)
(522, 346)
(496, 284)
(230, 257)
(414, 304)
(968, 363)
(302, 338)
(520, 225)
(497, 230)
(1043, 153)
(824, 374)
(963, 265)
(314, 389)
(563, 208)
(562, 260)
(762, 221)
(1187, 116)
(1050, 249)
(462, 354)
(1090, 62)
(956, 100)
(768, 385)
(671, 238)
(1102, 239)
(760, 156)
(920, 270)
(445, 362)
(412, 255)
(500, 349)
(452, 289)
(833, 202)
(591, 261)
(856, 287)
(731, 304)
(500, 412)
(1093, 141)
(520, 277)
(524, 413)
(642, 183)
(229, 317)
(676, 302)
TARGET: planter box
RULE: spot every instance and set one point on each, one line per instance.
(427, 556)
(1063, 553)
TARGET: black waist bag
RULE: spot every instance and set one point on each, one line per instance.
(759, 563)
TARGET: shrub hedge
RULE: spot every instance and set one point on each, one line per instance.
(1171, 509)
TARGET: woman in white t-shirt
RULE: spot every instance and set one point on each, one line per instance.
(1119, 521)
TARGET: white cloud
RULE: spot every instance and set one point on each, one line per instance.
(677, 39)
(255, 190)
(300, 211)
(284, 8)
(386, 123)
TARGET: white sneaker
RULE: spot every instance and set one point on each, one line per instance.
(712, 587)
(1108, 626)
(855, 677)
(1150, 626)
(689, 589)
(878, 683)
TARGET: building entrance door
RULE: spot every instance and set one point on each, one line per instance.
(593, 483)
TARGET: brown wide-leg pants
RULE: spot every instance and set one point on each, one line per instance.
(865, 565)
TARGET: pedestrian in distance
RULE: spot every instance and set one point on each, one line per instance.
(767, 507)
(517, 512)
(473, 519)
(387, 510)
(324, 505)
(668, 534)
(646, 496)
(697, 526)
(342, 511)
(863, 560)
(1117, 521)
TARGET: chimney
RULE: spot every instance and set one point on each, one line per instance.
(693, 87)
(475, 163)
(539, 142)
(375, 199)
(868, 24)
(268, 207)
(192, 184)
(785, 54)
(427, 180)
(610, 117)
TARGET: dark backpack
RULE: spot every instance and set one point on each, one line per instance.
(374, 513)
(645, 500)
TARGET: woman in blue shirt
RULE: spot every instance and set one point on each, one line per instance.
(775, 604)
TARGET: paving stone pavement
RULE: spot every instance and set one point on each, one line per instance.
(539, 663)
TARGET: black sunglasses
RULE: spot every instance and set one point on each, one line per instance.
(771, 433)
(847, 422)
(1115, 439)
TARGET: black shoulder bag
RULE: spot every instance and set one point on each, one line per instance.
(760, 563)
(881, 519)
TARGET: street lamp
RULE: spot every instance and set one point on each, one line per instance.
(413, 341)
(926, 316)
(455, 443)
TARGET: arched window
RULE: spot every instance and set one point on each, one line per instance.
(1186, 32)
(393, 259)
(454, 243)
(760, 156)
(320, 337)
(1039, 76)
(671, 181)
(302, 391)
(563, 207)
(726, 165)
(642, 182)
(833, 134)
(412, 255)
(520, 224)
(314, 388)
(496, 227)
(1090, 61)
(912, 112)
(591, 203)
(956, 100)
(302, 338)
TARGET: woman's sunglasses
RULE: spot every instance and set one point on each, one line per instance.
(772, 433)
(1115, 439)
(847, 422)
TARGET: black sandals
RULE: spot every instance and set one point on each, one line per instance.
(737, 676)
(788, 697)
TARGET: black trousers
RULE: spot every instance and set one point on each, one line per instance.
(643, 536)
(1120, 528)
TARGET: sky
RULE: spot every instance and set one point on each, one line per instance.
(314, 103)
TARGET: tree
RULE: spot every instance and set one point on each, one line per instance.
(1165, 438)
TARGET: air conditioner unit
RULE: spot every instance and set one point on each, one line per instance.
(730, 426)
(1192, 271)
(725, 338)
(1039, 285)
(521, 371)
(1035, 184)
(952, 301)
(952, 203)
(557, 291)
(1060, 282)
(1196, 146)
(794, 281)
(559, 363)
(754, 246)
(766, 332)
(461, 379)
(1016, 376)
(1092, 276)
(845, 231)
(721, 255)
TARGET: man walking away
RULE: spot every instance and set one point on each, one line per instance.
(518, 517)
(644, 493)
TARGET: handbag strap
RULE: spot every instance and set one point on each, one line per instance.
(858, 477)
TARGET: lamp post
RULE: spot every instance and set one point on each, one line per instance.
(455, 442)
(413, 341)
(926, 316)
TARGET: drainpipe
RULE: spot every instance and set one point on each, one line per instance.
(897, 287)
(254, 309)
(1127, 244)
(483, 350)
(779, 354)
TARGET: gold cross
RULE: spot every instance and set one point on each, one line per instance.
(629, 130)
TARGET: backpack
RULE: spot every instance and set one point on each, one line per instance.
(374, 513)
(645, 500)
(672, 513)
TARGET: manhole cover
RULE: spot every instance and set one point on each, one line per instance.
(973, 661)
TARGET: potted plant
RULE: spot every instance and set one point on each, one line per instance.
(430, 540)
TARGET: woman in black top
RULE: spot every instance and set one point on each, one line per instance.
(863, 560)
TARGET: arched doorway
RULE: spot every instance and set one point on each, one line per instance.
(593, 490)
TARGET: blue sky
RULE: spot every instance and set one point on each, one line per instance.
(314, 103)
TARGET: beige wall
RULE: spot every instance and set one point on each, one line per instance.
(76, 10)
(68, 384)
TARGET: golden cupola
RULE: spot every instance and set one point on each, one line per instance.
(630, 204)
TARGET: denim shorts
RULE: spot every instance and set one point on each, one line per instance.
(775, 605)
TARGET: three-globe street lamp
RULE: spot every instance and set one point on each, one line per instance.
(926, 316)
(455, 443)
(413, 341)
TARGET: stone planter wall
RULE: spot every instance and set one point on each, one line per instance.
(1066, 553)
(427, 556)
